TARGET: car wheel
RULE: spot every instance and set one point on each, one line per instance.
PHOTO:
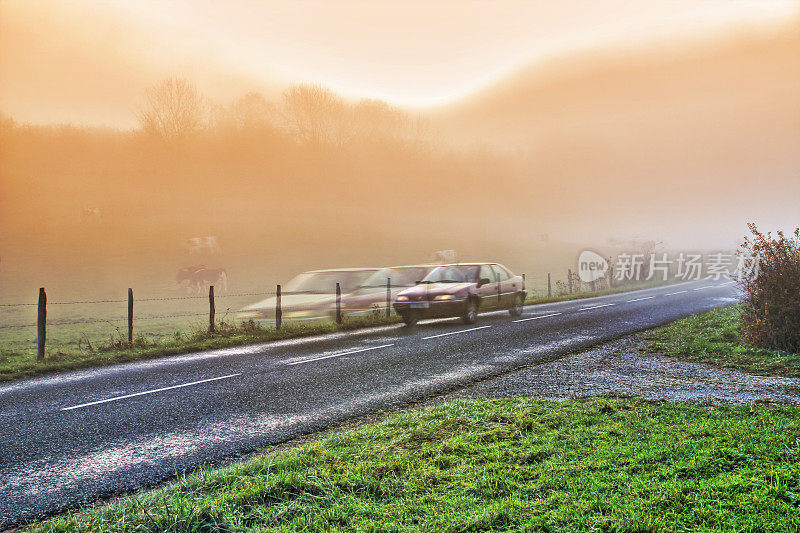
(516, 309)
(470, 313)
(410, 318)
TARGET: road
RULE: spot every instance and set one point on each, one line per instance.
(73, 438)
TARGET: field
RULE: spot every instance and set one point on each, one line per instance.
(516, 464)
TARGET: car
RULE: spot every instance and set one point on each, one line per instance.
(462, 290)
(309, 296)
(371, 299)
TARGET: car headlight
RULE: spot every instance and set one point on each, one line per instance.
(444, 297)
(402, 298)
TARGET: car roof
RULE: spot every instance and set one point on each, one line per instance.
(471, 264)
(358, 269)
(411, 266)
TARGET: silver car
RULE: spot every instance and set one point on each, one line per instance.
(310, 295)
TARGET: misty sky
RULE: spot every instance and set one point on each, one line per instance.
(88, 61)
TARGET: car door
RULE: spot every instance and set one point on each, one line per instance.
(488, 292)
(507, 284)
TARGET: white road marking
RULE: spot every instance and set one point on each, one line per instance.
(455, 332)
(536, 317)
(640, 299)
(594, 307)
(701, 288)
(340, 354)
(148, 392)
(674, 293)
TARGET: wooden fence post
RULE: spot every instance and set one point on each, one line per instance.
(592, 285)
(549, 289)
(41, 332)
(569, 279)
(278, 312)
(523, 282)
(388, 297)
(338, 303)
(130, 316)
(211, 309)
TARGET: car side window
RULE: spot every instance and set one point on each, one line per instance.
(502, 275)
(487, 272)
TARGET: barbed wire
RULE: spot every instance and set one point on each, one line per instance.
(164, 298)
(101, 320)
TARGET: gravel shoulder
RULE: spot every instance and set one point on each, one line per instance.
(625, 368)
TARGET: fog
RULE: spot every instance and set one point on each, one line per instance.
(681, 144)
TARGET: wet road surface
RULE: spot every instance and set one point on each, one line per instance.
(73, 438)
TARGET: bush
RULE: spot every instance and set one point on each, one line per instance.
(771, 317)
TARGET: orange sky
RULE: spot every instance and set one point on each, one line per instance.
(89, 61)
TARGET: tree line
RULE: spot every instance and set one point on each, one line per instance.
(174, 110)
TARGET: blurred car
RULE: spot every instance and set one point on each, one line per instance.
(310, 295)
(462, 290)
(370, 298)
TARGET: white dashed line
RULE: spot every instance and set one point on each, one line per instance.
(701, 288)
(594, 307)
(536, 317)
(640, 299)
(674, 293)
(455, 332)
(149, 392)
(340, 354)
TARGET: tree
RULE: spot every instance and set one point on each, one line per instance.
(251, 113)
(173, 109)
(376, 119)
(317, 115)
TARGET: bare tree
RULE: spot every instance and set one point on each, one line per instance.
(317, 115)
(173, 109)
(375, 119)
(251, 112)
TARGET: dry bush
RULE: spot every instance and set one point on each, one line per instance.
(771, 317)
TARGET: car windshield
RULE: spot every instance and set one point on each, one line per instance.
(400, 276)
(325, 282)
(452, 274)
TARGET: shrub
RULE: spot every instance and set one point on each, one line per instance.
(771, 317)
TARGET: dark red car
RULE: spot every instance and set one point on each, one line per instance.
(464, 290)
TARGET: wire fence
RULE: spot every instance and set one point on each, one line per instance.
(166, 316)
(89, 320)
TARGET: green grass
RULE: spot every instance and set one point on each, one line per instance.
(83, 345)
(116, 349)
(500, 465)
(714, 338)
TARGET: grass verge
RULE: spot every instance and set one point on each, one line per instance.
(511, 465)
(16, 365)
(715, 338)
(533, 299)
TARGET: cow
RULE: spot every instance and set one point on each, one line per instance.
(195, 278)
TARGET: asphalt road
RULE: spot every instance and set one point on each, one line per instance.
(73, 438)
